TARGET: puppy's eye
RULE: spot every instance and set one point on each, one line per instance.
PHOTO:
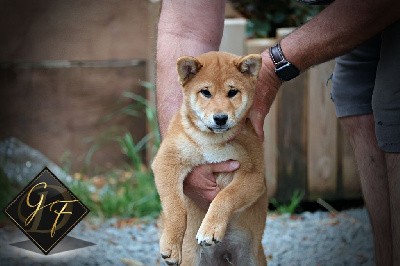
(232, 93)
(206, 93)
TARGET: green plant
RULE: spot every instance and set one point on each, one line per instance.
(152, 140)
(146, 200)
(266, 16)
(119, 194)
(140, 106)
(290, 207)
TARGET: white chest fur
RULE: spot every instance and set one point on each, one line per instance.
(216, 154)
(208, 153)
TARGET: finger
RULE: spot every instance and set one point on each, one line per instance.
(200, 180)
(202, 173)
(224, 167)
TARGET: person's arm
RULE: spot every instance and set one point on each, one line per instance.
(185, 28)
(188, 28)
(339, 28)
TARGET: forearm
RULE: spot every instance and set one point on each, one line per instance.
(337, 29)
(185, 28)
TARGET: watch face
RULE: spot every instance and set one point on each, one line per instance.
(287, 72)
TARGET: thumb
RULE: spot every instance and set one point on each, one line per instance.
(227, 166)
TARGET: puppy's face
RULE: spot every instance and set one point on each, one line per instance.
(218, 88)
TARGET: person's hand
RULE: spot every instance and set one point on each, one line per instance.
(267, 87)
(200, 184)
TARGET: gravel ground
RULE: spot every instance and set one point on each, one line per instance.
(308, 239)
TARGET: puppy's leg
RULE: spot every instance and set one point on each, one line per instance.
(190, 248)
(244, 190)
(169, 179)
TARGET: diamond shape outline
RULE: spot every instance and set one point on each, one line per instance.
(55, 243)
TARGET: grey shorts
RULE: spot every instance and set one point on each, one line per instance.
(367, 80)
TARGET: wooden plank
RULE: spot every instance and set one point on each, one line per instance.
(322, 134)
(234, 36)
(292, 133)
(154, 15)
(154, 8)
(257, 46)
(292, 137)
(73, 30)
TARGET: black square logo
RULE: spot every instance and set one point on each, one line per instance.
(46, 210)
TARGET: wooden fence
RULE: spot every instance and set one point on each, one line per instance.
(63, 69)
(61, 108)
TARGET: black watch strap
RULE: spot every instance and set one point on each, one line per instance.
(277, 56)
(283, 68)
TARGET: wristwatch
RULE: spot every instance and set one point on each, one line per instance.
(283, 68)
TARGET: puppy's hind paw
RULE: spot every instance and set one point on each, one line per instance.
(171, 254)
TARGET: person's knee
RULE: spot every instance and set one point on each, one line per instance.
(357, 124)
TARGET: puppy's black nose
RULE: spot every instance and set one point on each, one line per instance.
(220, 119)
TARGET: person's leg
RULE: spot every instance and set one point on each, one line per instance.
(372, 170)
(353, 88)
(393, 167)
(386, 109)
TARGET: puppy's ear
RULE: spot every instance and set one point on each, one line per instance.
(187, 66)
(249, 64)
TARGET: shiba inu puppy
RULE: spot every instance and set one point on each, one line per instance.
(211, 126)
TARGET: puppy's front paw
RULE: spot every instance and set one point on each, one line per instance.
(210, 233)
(171, 250)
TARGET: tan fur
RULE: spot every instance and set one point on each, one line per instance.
(230, 232)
